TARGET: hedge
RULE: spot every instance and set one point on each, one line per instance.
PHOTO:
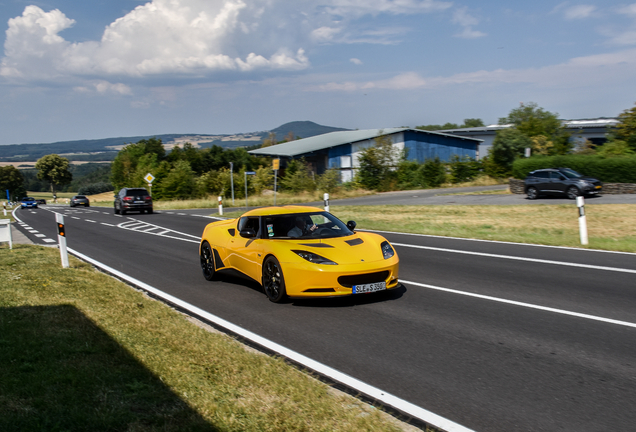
(620, 169)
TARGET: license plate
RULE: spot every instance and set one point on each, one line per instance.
(597, 187)
(367, 288)
(139, 202)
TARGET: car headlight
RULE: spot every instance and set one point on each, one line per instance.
(387, 250)
(314, 258)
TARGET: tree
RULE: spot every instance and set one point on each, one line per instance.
(472, 122)
(54, 169)
(11, 179)
(377, 164)
(626, 128)
(533, 121)
(509, 144)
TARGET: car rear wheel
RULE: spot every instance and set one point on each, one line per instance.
(532, 193)
(273, 280)
(207, 261)
(573, 192)
(149, 211)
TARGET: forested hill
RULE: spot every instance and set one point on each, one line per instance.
(106, 149)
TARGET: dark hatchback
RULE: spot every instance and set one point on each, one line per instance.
(80, 200)
(560, 181)
(133, 199)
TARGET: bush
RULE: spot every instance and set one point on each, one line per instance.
(95, 188)
(609, 170)
(464, 169)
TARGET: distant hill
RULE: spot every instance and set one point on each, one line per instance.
(303, 129)
(106, 149)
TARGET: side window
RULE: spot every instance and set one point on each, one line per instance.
(556, 176)
(542, 174)
(249, 223)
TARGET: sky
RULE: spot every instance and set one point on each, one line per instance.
(78, 69)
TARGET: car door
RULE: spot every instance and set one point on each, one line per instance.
(246, 254)
(558, 182)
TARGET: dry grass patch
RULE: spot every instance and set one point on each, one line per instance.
(610, 226)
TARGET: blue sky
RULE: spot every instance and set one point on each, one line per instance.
(72, 69)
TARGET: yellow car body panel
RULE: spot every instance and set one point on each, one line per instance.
(359, 256)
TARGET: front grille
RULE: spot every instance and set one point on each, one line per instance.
(350, 281)
(319, 290)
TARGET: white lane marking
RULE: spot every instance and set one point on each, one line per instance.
(510, 257)
(502, 242)
(88, 220)
(40, 235)
(48, 240)
(527, 305)
(362, 387)
(146, 228)
(75, 217)
(107, 224)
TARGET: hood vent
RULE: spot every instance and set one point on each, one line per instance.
(354, 242)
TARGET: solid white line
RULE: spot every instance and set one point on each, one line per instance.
(509, 257)
(496, 241)
(527, 305)
(107, 224)
(366, 389)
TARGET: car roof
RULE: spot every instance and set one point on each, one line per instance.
(282, 210)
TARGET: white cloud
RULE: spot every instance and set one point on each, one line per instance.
(191, 37)
(373, 7)
(467, 21)
(579, 12)
(355, 61)
(589, 70)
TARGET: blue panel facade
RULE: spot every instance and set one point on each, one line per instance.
(336, 152)
(422, 146)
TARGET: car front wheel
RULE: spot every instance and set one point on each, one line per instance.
(573, 192)
(273, 280)
(207, 261)
(532, 193)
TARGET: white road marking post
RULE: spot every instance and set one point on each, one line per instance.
(5, 232)
(61, 238)
(580, 202)
(220, 206)
(326, 198)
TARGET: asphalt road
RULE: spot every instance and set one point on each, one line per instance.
(493, 336)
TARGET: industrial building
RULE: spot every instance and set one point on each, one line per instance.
(341, 150)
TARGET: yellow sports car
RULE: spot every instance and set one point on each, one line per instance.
(299, 251)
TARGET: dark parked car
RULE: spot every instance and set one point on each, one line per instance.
(41, 201)
(561, 181)
(28, 202)
(133, 199)
(80, 200)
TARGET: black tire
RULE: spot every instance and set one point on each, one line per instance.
(532, 193)
(273, 281)
(122, 211)
(116, 210)
(573, 192)
(207, 261)
(149, 211)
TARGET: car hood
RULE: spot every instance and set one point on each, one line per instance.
(353, 249)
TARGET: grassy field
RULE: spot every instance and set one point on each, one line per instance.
(81, 351)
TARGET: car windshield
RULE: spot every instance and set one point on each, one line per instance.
(570, 173)
(304, 226)
(28, 199)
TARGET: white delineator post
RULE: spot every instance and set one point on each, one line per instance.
(326, 198)
(580, 202)
(61, 238)
(220, 206)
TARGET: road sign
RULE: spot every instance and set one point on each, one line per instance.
(250, 172)
(275, 164)
(149, 178)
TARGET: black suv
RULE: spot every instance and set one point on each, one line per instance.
(563, 181)
(136, 199)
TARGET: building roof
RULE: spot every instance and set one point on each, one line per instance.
(333, 139)
(568, 124)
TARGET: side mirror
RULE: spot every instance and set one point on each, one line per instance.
(351, 225)
(248, 233)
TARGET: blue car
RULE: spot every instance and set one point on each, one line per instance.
(28, 202)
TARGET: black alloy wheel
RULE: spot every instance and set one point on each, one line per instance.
(532, 193)
(207, 261)
(273, 280)
(573, 192)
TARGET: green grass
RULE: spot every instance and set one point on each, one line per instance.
(81, 351)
